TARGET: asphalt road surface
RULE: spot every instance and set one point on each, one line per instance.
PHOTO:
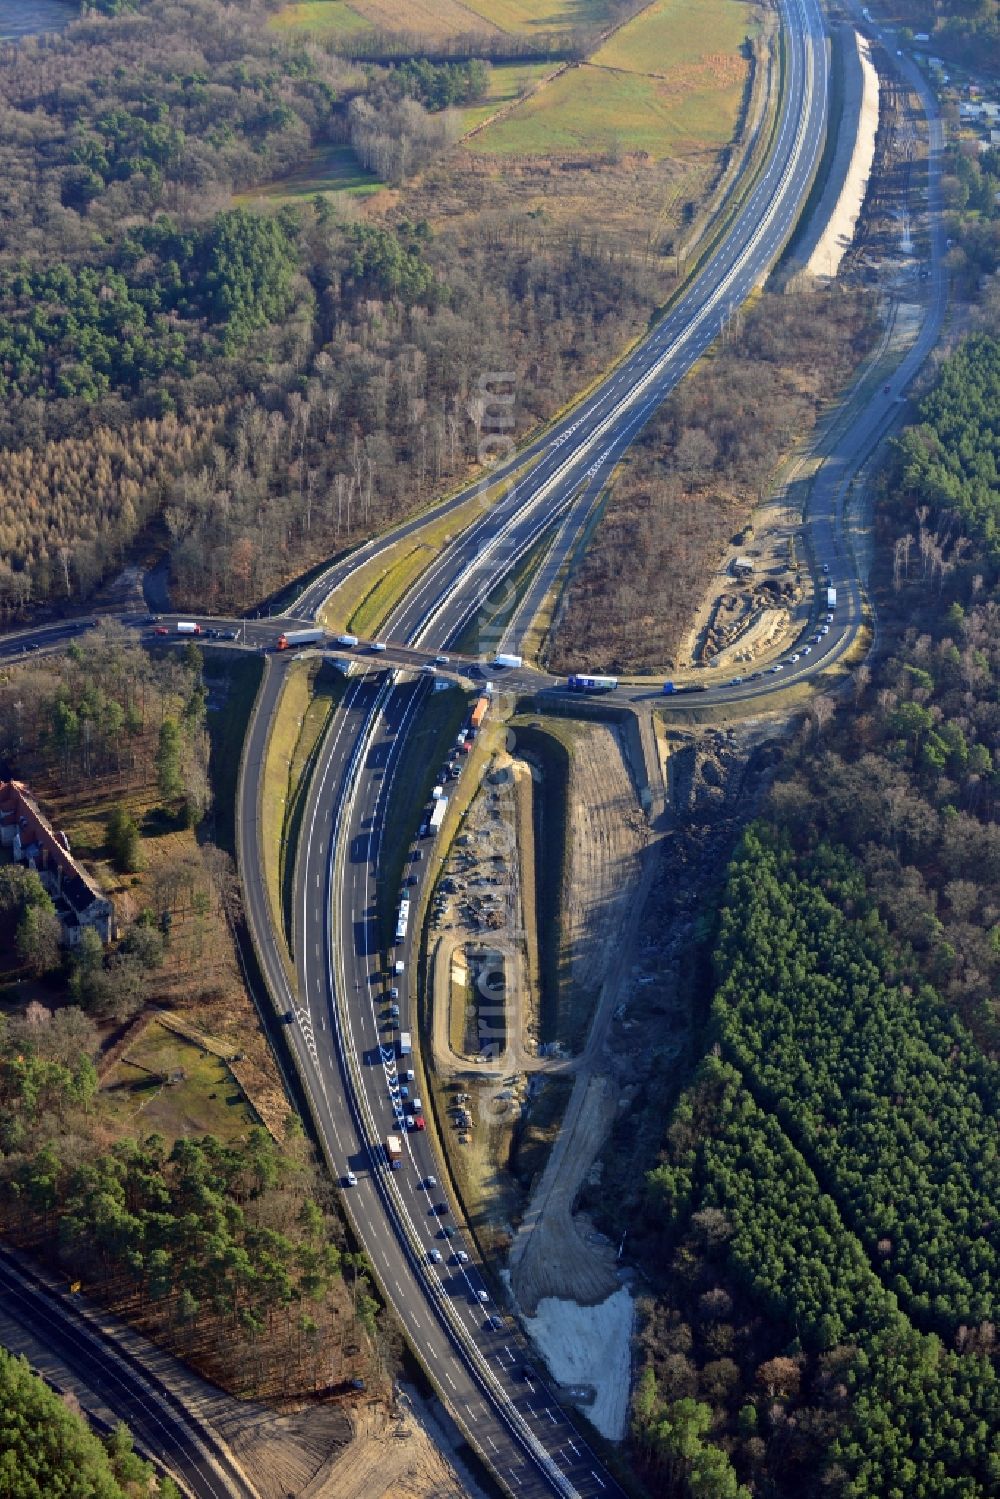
(176, 1438)
(351, 1008)
(344, 1039)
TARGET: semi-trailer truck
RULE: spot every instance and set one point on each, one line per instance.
(437, 816)
(512, 662)
(188, 627)
(479, 712)
(293, 638)
(831, 598)
(394, 1152)
(592, 684)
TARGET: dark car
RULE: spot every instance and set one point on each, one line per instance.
(447, 1231)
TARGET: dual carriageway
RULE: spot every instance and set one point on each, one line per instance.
(340, 1036)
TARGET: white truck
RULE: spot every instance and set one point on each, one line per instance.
(348, 641)
(512, 662)
(831, 598)
(402, 920)
(437, 816)
(394, 1152)
(188, 627)
(292, 638)
(405, 1044)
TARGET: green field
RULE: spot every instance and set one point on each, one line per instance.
(669, 83)
(326, 169)
(325, 17)
(540, 15)
(204, 1097)
(508, 81)
(672, 34)
(440, 18)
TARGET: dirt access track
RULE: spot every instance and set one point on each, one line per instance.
(607, 869)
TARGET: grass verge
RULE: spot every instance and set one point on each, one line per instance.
(396, 581)
(282, 741)
(327, 687)
(345, 603)
(549, 799)
(227, 729)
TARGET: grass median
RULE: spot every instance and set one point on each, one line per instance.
(309, 696)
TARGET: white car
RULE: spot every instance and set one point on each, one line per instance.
(430, 1181)
(829, 619)
(377, 646)
(434, 1255)
(441, 660)
(825, 630)
(807, 650)
(794, 658)
(779, 667)
(461, 1257)
(483, 1297)
(350, 1179)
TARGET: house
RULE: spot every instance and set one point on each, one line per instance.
(743, 567)
(26, 831)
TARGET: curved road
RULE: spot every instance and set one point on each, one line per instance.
(342, 1026)
(340, 1032)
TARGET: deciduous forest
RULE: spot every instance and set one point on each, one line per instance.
(265, 388)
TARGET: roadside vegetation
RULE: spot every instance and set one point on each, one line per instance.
(818, 1218)
(47, 1448)
(264, 389)
(692, 479)
(168, 355)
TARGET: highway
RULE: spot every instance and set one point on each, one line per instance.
(344, 1020)
(582, 447)
(340, 1031)
(177, 1439)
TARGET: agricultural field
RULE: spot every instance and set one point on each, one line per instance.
(324, 17)
(508, 82)
(669, 84)
(326, 170)
(441, 19)
(530, 16)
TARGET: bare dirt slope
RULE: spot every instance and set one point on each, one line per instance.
(606, 833)
(553, 1253)
(391, 1457)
